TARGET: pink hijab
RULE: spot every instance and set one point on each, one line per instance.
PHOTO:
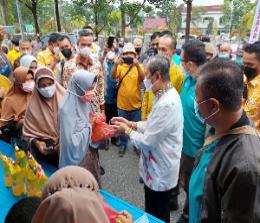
(41, 115)
(71, 196)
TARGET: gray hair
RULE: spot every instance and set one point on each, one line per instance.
(161, 64)
(24, 41)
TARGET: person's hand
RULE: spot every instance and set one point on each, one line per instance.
(124, 217)
(2, 32)
(120, 128)
(119, 60)
(41, 147)
(120, 119)
(56, 58)
(135, 62)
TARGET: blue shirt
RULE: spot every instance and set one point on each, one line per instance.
(110, 96)
(197, 182)
(176, 59)
(194, 129)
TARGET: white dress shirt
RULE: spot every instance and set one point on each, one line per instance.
(160, 141)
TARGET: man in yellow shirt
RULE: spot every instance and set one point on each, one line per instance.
(130, 75)
(14, 53)
(251, 60)
(167, 47)
(51, 56)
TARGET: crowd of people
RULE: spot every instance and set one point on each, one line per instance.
(192, 115)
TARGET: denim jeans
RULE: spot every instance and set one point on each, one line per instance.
(134, 116)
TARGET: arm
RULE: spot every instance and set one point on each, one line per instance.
(240, 200)
(55, 62)
(114, 73)
(140, 70)
(156, 128)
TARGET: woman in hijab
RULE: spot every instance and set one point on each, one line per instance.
(74, 125)
(29, 61)
(40, 123)
(15, 104)
(72, 196)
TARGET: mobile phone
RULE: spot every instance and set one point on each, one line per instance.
(110, 41)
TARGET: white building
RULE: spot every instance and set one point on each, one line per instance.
(209, 12)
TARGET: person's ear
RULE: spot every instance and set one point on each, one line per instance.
(214, 104)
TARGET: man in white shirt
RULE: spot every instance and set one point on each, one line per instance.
(159, 139)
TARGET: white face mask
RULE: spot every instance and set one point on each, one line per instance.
(148, 84)
(47, 92)
(28, 86)
(56, 50)
(85, 51)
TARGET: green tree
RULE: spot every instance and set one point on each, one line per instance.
(32, 6)
(57, 15)
(96, 12)
(4, 11)
(233, 11)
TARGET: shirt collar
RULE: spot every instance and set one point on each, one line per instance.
(254, 82)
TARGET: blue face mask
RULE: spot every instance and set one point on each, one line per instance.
(6, 70)
(47, 92)
(239, 61)
(197, 113)
(224, 56)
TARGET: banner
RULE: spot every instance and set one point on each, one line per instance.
(256, 25)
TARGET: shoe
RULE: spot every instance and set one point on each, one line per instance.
(183, 219)
(141, 181)
(102, 171)
(122, 150)
(115, 142)
(137, 151)
(174, 206)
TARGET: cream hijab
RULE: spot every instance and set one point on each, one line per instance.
(71, 196)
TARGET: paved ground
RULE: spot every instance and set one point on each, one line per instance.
(122, 178)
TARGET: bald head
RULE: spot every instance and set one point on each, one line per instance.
(138, 43)
(225, 48)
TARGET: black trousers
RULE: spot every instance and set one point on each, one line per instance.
(110, 112)
(186, 168)
(157, 203)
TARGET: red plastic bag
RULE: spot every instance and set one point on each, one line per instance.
(111, 213)
(100, 129)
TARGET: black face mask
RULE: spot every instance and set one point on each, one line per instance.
(250, 72)
(128, 60)
(67, 53)
(138, 50)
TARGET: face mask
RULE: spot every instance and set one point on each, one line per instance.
(128, 60)
(239, 61)
(197, 113)
(85, 51)
(148, 84)
(66, 53)
(56, 50)
(6, 70)
(138, 50)
(47, 92)
(88, 96)
(28, 86)
(224, 56)
(250, 72)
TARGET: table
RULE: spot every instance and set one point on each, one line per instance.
(7, 199)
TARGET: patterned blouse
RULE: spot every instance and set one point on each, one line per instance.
(70, 67)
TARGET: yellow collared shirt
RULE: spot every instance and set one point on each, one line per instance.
(177, 78)
(13, 55)
(252, 104)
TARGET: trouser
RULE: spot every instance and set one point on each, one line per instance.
(157, 203)
(111, 111)
(186, 168)
(130, 116)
